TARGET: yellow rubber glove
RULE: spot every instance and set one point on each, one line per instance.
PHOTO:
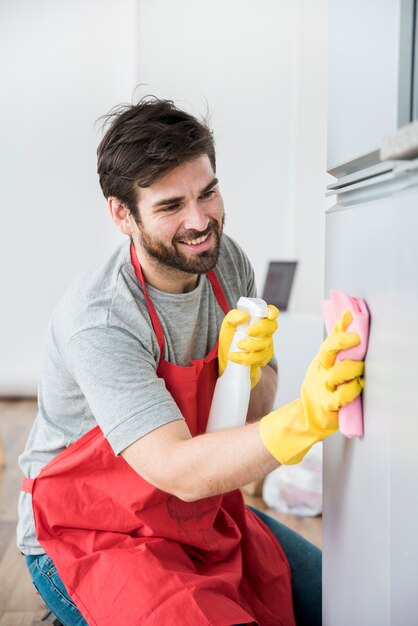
(289, 432)
(258, 349)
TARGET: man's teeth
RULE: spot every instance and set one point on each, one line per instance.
(195, 242)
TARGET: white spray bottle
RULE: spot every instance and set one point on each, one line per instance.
(232, 391)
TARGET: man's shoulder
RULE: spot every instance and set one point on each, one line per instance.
(90, 298)
(235, 271)
(228, 243)
(101, 276)
(232, 257)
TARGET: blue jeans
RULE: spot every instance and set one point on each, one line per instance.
(305, 563)
(52, 590)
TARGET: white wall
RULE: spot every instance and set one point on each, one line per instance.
(261, 67)
(258, 64)
(309, 140)
(237, 56)
(63, 64)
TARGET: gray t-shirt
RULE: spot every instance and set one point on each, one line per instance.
(100, 358)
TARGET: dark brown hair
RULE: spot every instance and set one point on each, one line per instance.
(144, 142)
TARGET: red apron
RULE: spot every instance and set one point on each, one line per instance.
(130, 554)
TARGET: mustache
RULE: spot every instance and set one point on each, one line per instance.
(194, 234)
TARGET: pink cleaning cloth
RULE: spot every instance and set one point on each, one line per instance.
(350, 417)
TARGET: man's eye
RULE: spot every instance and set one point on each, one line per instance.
(170, 208)
(208, 194)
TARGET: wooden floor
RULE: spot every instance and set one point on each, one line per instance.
(19, 603)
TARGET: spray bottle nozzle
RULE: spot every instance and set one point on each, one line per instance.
(255, 307)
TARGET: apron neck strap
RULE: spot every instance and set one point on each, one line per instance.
(159, 333)
(156, 324)
(218, 291)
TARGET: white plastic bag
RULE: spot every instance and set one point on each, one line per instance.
(297, 489)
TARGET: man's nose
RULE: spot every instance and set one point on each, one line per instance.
(195, 218)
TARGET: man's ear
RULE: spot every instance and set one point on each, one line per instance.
(121, 215)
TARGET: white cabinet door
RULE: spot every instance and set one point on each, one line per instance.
(370, 56)
(370, 485)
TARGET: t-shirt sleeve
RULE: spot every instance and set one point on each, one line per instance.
(118, 378)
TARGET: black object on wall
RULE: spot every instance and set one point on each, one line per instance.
(278, 284)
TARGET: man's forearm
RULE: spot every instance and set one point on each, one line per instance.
(263, 394)
(218, 462)
(211, 463)
(202, 466)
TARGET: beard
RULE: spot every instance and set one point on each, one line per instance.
(171, 257)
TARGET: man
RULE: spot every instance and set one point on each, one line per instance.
(138, 514)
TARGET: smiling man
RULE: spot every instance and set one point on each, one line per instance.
(176, 237)
(130, 512)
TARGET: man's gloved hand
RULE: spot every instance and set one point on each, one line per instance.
(290, 431)
(258, 349)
